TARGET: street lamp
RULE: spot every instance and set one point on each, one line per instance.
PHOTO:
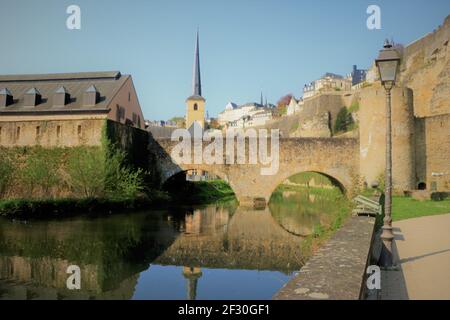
(387, 63)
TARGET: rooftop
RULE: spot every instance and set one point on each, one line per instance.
(107, 84)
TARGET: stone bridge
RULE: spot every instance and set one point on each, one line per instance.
(337, 158)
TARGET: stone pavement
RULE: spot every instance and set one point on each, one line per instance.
(422, 250)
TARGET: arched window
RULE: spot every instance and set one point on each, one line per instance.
(195, 107)
(422, 186)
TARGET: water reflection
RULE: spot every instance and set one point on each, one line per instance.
(211, 252)
(183, 253)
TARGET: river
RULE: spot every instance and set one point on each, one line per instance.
(219, 251)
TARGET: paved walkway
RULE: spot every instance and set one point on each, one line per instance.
(422, 248)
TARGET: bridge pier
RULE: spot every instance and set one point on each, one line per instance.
(253, 202)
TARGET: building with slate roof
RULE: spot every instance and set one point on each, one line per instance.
(60, 109)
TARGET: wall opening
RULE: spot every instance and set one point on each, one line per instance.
(197, 186)
(422, 186)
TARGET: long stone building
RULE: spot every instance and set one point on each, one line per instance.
(66, 109)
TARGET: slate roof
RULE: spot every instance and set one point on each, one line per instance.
(75, 84)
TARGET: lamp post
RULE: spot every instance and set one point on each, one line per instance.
(387, 63)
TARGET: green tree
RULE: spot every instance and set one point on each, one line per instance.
(344, 121)
(86, 169)
(121, 181)
(103, 172)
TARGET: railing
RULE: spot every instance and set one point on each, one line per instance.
(367, 207)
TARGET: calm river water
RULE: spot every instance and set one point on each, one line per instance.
(210, 252)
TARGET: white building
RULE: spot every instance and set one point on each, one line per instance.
(328, 82)
(294, 106)
(247, 115)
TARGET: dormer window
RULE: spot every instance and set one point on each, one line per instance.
(32, 98)
(195, 107)
(91, 96)
(61, 97)
(6, 97)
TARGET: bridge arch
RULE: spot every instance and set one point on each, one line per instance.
(207, 168)
(334, 181)
(335, 158)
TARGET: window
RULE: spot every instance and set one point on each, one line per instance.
(117, 113)
(422, 186)
(58, 131)
(18, 133)
(195, 107)
(80, 132)
(38, 131)
(120, 113)
(129, 96)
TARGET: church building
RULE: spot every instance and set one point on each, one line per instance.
(195, 104)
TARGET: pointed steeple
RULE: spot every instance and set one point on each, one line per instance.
(196, 81)
(262, 102)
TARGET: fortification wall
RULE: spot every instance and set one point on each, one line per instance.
(50, 132)
(372, 127)
(426, 70)
(432, 152)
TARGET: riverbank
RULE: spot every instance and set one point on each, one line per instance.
(195, 193)
(24, 209)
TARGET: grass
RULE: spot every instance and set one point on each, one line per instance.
(408, 208)
(67, 207)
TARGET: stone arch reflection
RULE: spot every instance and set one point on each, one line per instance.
(308, 203)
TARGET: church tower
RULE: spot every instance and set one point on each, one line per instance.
(195, 104)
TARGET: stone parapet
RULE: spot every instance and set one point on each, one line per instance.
(338, 270)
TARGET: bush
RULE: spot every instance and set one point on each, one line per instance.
(41, 171)
(120, 180)
(86, 169)
(6, 172)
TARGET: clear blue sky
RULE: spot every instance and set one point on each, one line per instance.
(247, 46)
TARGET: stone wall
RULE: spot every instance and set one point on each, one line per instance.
(318, 126)
(372, 124)
(338, 270)
(432, 152)
(426, 70)
(51, 132)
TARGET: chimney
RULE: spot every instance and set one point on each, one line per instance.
(6, 98)
(32, 98)
(91, 96)
(61, 97)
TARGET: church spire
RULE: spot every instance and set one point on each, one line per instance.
(196, 81)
